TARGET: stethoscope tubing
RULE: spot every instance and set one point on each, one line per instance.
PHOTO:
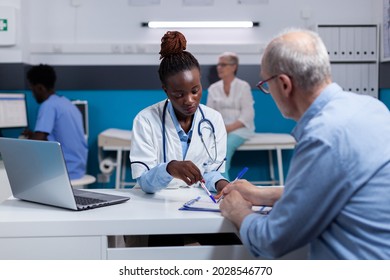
(204, 120)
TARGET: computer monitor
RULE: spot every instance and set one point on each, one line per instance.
(13, 110)
(82, 105)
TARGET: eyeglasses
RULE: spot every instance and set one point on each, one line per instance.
(224, 64)
(263, 85)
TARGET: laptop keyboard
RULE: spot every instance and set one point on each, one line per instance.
(87, 200)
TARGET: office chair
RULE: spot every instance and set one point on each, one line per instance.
(87, 179)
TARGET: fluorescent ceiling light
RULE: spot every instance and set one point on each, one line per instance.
(198, 2)
(200, 24)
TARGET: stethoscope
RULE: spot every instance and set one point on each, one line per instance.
(213, 159)
(209, 125)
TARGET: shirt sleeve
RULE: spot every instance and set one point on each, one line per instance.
(46, 118)
(211, 179)
(155, 179)
(311, 200)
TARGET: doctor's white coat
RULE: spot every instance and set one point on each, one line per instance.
(147, 142)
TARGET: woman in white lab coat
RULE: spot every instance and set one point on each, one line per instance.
(178, 142)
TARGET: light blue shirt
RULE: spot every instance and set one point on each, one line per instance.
(337, 192)
(185, 138)
(158, 178)
(62, 120)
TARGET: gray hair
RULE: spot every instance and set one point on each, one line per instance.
(231, 56)
(232, 59)
(305, 61)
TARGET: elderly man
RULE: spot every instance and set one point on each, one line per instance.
(337, 193)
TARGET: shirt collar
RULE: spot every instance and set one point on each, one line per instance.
(182, 135)
(319, 103)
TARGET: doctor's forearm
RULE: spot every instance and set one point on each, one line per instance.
(155, 179)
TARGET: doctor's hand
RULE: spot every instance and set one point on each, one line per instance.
(184, 170)
(235, 208)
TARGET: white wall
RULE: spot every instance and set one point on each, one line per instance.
(109, 31)
(10, 54)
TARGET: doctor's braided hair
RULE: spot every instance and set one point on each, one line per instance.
(174, 58)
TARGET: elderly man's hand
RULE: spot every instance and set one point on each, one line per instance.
(235, 207)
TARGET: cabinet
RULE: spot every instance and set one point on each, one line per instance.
(53, 247)
(354, 54)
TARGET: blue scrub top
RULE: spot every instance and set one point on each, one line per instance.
(62, 120)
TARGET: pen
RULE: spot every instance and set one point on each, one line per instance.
(242, 172)
(239, 176)
(207, 191)
(192, 201)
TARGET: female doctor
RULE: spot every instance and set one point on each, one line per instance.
(178, 142)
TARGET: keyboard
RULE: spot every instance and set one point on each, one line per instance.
(87, 200)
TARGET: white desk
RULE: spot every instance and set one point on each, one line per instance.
(119, 141)
(34, 231)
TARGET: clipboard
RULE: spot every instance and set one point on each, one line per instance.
(199, 204)
(202, 204)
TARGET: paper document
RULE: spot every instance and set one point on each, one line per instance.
(205, 204)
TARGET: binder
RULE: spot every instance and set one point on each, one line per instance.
(358, 42)
(372, 43)
(335, 43)
(364, 77)
(343, 43)
(350, 79)
(353, 52)
(351, 43)
(357, 82)
(373, 80)
(366, 55)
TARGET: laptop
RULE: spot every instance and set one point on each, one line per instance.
(37, 172)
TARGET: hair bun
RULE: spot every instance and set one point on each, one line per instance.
(173, 42)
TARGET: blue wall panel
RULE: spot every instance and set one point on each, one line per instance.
(116, 109)
(112, 105)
